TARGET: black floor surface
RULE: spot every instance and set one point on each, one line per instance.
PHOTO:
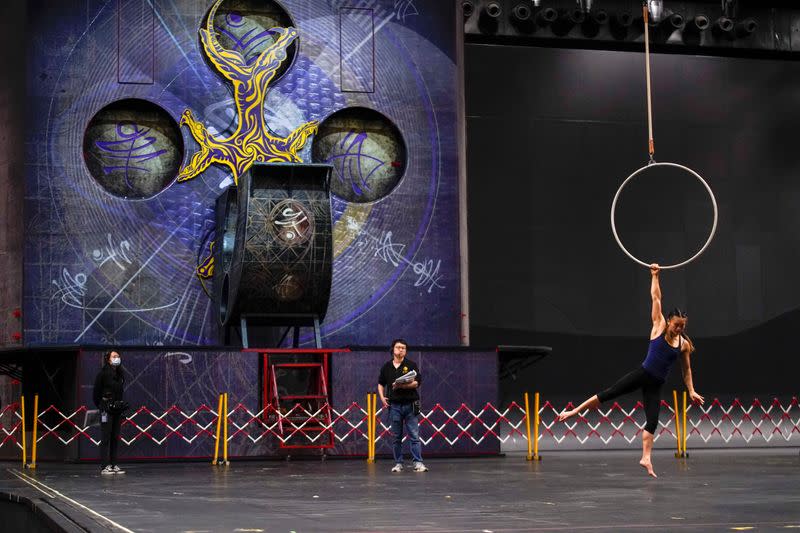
(713, 490)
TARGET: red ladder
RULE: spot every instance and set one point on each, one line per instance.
(304, 420)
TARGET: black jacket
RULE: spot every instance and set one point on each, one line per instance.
(108, 386)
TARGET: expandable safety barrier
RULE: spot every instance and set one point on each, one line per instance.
(753, 423)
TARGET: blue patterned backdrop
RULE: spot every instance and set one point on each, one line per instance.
(110, 267)
(188, 380)
(449, 378)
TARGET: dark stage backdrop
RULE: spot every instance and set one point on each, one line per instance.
(552, 133)
(12, 99)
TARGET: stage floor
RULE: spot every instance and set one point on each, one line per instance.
(713, 490)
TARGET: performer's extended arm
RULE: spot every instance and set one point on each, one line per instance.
(655, 295)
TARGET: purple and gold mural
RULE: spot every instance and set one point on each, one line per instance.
(144, 112)
(251, 141)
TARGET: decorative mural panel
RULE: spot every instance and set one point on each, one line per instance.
(357, 48)
(136, 22)
(118, 251)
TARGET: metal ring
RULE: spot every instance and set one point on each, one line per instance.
(693, 173)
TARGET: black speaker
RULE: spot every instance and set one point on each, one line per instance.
(226, 280)
(275, 243)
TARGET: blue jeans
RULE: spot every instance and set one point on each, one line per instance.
(399, 414)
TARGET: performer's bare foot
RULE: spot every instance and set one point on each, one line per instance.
(647, 465)
(567, 414)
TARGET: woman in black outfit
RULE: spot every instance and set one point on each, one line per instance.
(108, 389)
(668, 344)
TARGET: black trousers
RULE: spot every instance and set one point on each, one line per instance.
(110, 439)
(651, 394)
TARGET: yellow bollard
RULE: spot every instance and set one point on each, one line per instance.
(374, 423)
(225, 429)
(529, 457)
(685, 432)
(369, 427)
(219, 428)
(536, 456)
(24, 441)
(678, 439)
(35, 424)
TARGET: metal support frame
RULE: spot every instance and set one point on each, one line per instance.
(290, 321)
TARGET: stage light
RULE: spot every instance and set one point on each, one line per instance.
(567, 20)
(746, 27)
(620, 24)
(546, 16)
(521, 12)
(522, 17)
(493, 10)
(669, 25)
(729, 8)
(656, 10)
(468, 8)
(591, 26)
(723, 27)
(489, 21)
(675, 22)
(697, 24)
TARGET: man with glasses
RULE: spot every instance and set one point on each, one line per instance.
(398, 388)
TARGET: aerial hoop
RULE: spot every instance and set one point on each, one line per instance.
(681, 167)
(651, 148)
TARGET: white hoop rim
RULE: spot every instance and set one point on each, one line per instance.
(713, 203)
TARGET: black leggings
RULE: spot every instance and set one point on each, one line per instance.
(651, 394)
(110, 439)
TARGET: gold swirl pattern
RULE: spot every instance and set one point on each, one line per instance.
(252, 141)
(205, 270)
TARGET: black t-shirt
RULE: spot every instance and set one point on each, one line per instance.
(389, 373)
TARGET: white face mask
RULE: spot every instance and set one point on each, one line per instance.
(115, 361)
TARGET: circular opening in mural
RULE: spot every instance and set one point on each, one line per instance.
(366, 150)
(246, 27)
(133, 148)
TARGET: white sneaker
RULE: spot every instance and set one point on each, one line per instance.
(107, 471)
(420, 467)
(117, 470)
(397, 468)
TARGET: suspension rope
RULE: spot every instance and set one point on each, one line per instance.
(651, 143)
